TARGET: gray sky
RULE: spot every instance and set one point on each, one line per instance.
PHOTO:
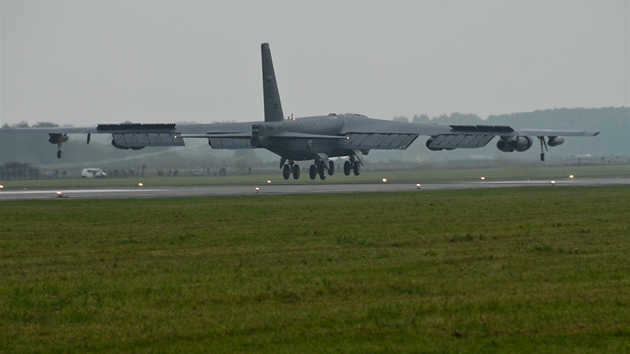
(86, 62)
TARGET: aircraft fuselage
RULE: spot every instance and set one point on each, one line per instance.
(303, 149)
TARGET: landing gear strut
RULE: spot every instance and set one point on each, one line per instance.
(542, 143)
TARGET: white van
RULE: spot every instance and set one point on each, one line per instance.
(93, 173)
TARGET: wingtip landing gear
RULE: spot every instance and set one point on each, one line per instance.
(57, 138)
(543, 147)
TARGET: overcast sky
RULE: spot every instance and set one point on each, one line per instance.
(86, 62)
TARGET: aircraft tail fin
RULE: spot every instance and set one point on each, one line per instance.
(273, 107)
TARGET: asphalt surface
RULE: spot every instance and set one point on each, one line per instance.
(271, 189)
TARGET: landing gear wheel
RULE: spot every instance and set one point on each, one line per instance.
(312, 172)
(322, 171)
(286, 171)
(347, 167)
(58, 154)
(357, 168)
(331, 168)
(296, 172)
(542, 156)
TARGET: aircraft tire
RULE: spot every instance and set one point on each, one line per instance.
(357, 168)
(322, 171)
(296, 172)
(312, 172)
(347, 167)
(331, 168)
(58, 154)
(286, 171)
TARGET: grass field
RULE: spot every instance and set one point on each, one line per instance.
(493, 270)
(367, 176)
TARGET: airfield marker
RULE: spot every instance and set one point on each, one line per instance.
(384, 180)
(418, 185)
(1, 186)
(140, 184)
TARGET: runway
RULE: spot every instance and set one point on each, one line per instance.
(278, 189)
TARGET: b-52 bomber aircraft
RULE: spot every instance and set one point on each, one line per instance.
(315, 138)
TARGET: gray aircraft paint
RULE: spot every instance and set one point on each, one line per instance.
(273, 107)
(311, 138)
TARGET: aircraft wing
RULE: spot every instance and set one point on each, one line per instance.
(365, 133)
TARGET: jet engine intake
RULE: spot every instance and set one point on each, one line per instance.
(57, 138)
(428, 143)
(555, 141)
(515, 143)
(126, 147)
(258, 139)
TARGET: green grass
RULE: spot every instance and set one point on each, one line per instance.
(367, 176)
(496, 270)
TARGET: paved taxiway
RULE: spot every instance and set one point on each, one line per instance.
(271, 189)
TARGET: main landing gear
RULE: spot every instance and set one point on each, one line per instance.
(352, 166)
(290, 169)
(319, 168)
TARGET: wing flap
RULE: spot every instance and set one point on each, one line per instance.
(377, 141)
(460, 141)
(229, 143)
(293, 135)
(136, 140)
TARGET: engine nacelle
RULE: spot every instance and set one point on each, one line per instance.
(118, 146)
(126, 147)
(555, 141)
(259, 138)
(515, 143)
(429, 143)
(57, 138)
